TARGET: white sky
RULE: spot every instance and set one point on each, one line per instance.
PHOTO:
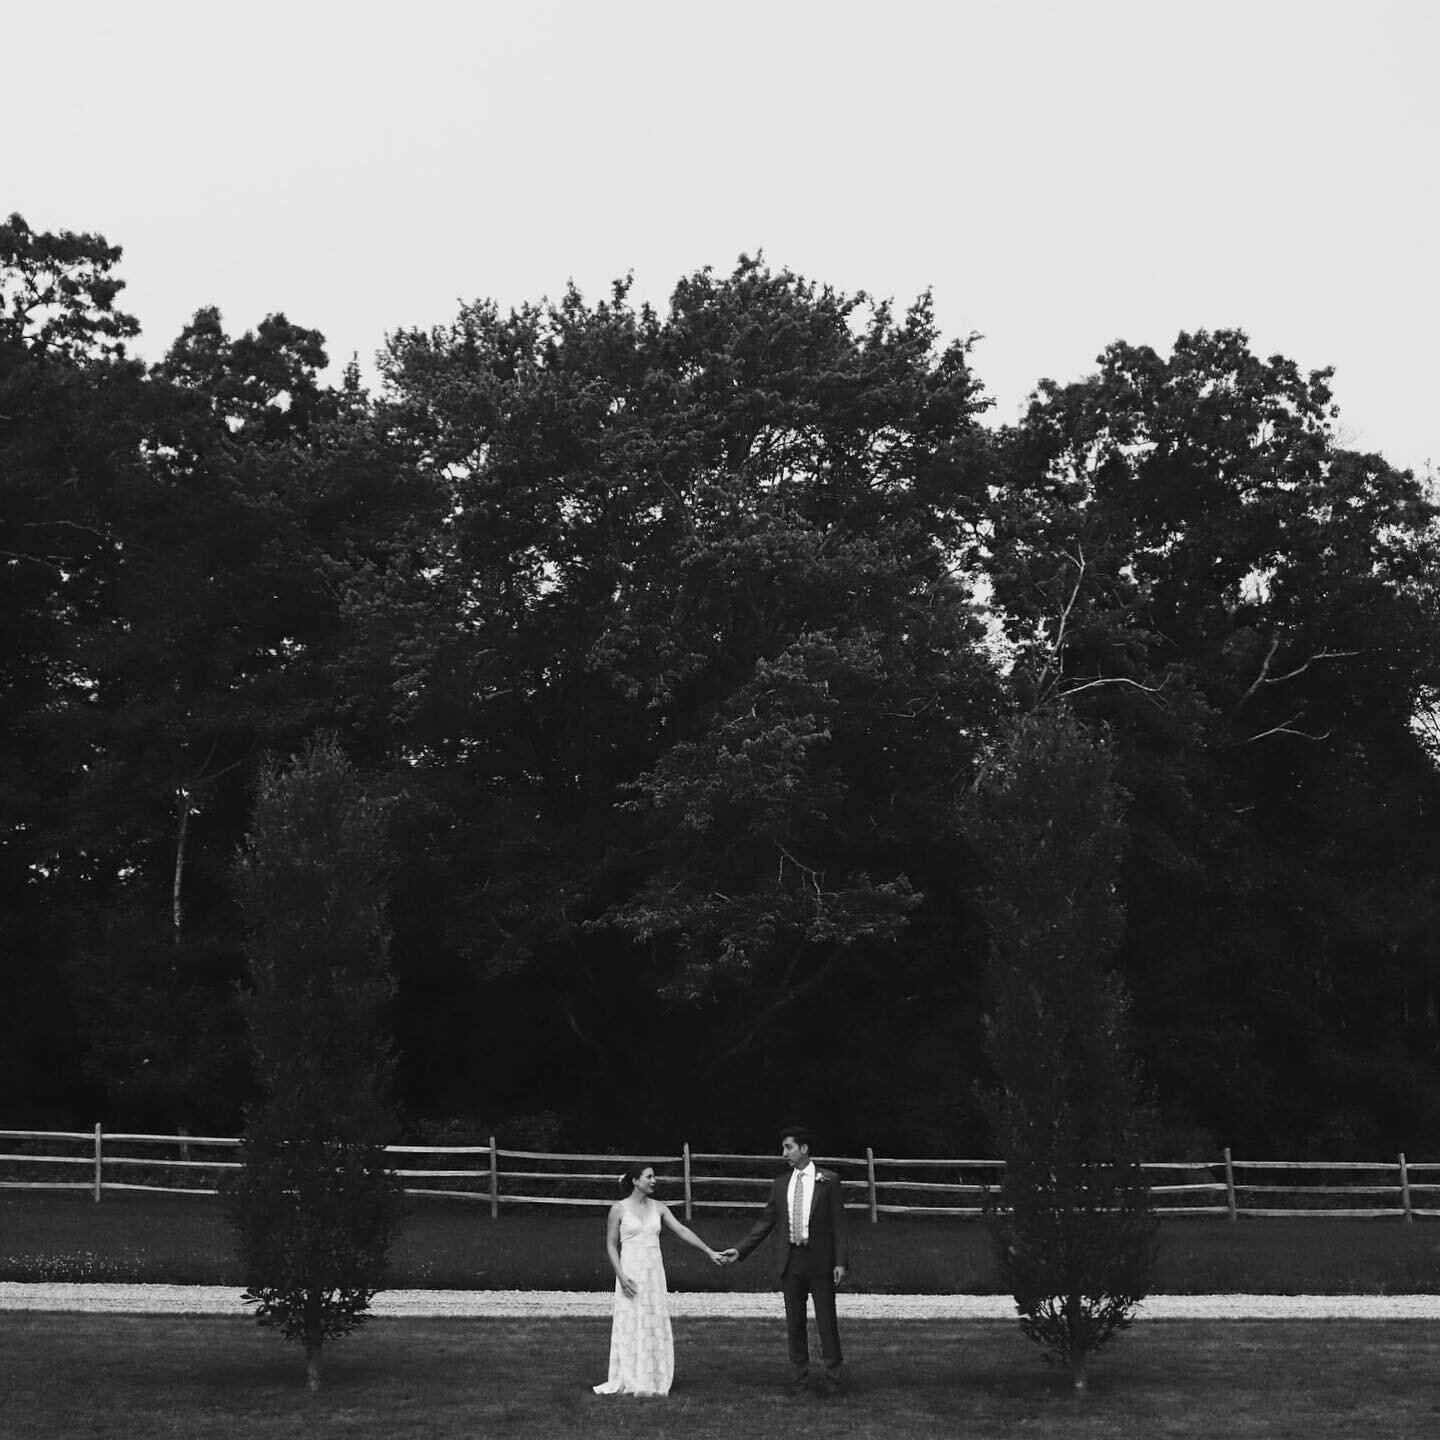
(1061, 173)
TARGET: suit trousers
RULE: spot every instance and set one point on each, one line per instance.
(808, 1272)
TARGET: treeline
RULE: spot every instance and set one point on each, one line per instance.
(675, 642)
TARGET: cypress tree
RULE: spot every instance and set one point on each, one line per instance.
(315, 1209)
(1073, 1221)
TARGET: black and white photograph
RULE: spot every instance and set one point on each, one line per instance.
(719, 719)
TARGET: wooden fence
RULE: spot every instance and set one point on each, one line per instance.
(102, 1162)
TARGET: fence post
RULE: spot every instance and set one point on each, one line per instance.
(1405, 1190)
(870, 1178)
(686, 1157)
(1230, 1185)
(494, 1181)
(98, 1182)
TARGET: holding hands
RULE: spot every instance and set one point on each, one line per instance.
(726, 1257)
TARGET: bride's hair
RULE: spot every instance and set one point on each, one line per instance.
(631, 1174)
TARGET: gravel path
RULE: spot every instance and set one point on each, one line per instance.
(218, 1300)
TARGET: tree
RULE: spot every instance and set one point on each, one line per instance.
(1183, 551)
(711, 684)
(71, 425)
(315, 1209)
(57, 294)
(1073, 1223)
(217, 637)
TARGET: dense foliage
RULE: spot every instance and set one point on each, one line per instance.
(315, 1208)
(675, 638)
(1073, 1220)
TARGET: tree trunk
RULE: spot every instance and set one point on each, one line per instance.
(176, 909)
(1074, 1319)
(312, 1365)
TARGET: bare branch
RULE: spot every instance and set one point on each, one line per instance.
(1110, 680)
(1319, 655)
(913, 713)
(1062, 625)
(1288, 728)
(1264, 674)
(68, 525)
(45, 560)
(1266, 678)
(787, 993)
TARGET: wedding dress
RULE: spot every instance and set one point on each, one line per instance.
(642, 1349)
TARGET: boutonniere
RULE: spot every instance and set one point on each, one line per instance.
(821, 1177)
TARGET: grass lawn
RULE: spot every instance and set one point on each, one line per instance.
(451, 1245)
(77, 1377)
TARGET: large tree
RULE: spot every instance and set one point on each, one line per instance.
(713, 679)
(255, 502)
(70, 436)
(1182, 548)
(199, 654)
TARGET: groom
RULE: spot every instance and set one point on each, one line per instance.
(812, 1252)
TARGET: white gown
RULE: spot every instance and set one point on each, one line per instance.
(642, 1348)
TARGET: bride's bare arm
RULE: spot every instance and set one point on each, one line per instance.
(685, 1232)
(612, 1248)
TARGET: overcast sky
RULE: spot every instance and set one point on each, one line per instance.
(1060, 173)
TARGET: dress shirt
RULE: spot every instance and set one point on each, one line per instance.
(806, 1180)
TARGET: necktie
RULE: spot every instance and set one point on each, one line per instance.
(797, 1211)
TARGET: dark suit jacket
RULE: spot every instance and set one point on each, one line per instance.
(829, 1242)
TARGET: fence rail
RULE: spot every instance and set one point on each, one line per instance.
(101, 1162)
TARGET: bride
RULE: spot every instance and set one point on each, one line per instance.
(642, 1351)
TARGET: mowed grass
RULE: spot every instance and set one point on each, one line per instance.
(82, 1377)
(77, 1376)
(451, 1245)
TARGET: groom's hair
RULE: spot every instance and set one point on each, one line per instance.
(802, 1135)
